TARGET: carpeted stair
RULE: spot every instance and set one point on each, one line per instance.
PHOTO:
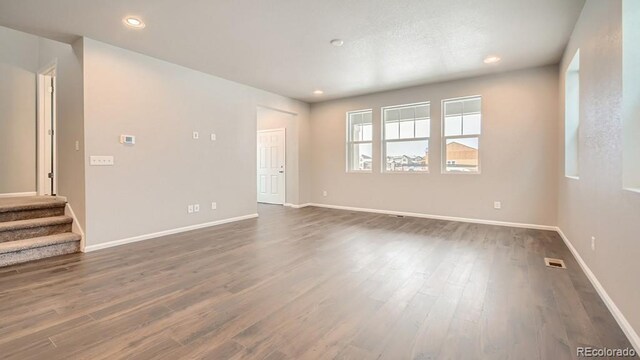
(34, 228)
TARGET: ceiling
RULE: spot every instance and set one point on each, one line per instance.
(283, 45)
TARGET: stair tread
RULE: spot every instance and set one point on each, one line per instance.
(18, 245)
(37, 222)
(30, 203)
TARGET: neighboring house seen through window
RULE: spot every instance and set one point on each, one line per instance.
(359, 140)
(405, 138)
(462, 119)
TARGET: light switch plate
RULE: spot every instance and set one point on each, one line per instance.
(196, 135)
(213, 137)
(196, 208)
(190, 209)
(214, 206)
(101, 160)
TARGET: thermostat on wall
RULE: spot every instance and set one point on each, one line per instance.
(127, 139)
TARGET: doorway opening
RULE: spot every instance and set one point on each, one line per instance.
(272, 166)
(277, 156)
(47, 119)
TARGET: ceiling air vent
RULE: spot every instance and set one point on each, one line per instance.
(554, 263)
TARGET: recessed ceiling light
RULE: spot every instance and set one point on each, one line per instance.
(337, 42)
(133, 22)
(318, 92)
(492, 59)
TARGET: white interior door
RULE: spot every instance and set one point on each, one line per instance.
(47, 161)
(271, 166)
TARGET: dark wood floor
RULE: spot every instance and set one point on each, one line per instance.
(309, 284)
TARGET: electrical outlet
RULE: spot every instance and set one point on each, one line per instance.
(196, 208)
(213, 137)
(77, 145)
(593, 243)
(214, 206)
(497, 205)
(324, 193)
(190, 209)
(196, 135)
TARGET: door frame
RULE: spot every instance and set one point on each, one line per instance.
(43, 185)
(284, 132)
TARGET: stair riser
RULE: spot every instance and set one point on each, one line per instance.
(29, 233)
(39, 253)
(31, 214)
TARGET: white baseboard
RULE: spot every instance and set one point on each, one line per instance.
(437, 217)
(295, 206)
(166, 232)
(20, 194)
(628, 330)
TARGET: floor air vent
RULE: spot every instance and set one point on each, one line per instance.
(554, 263)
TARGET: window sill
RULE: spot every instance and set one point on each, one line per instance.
(631, 189)
(572, 177)
(405, 172)
(359, 171)
(461, 173)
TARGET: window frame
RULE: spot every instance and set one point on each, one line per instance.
(444, 138)
(349, 142)
(572, 118)
(630, 96)
(384, 141)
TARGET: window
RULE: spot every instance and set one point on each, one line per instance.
(572, 117)
(405, 138)
(631, 95)
(461, 125)
(359, 140)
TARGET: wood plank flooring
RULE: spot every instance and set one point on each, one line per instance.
(309, 284)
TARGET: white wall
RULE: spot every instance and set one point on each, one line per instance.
(518, 152)
(596, 204)
(152, 183)
(269, 119)
(18, 67)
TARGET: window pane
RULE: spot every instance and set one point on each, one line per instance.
(452, 125)
(360, 157)
(422, 111)
(356, 132)
(360, 124)
(452, 108)
(407, 113)
(471, 105)
(392, 114)
(367, 117)
(406, 129)
(423, 128)
(391, 130)
(367, 130)
(407, 156)
(471, 124)
(462, 155)
(400, 122)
